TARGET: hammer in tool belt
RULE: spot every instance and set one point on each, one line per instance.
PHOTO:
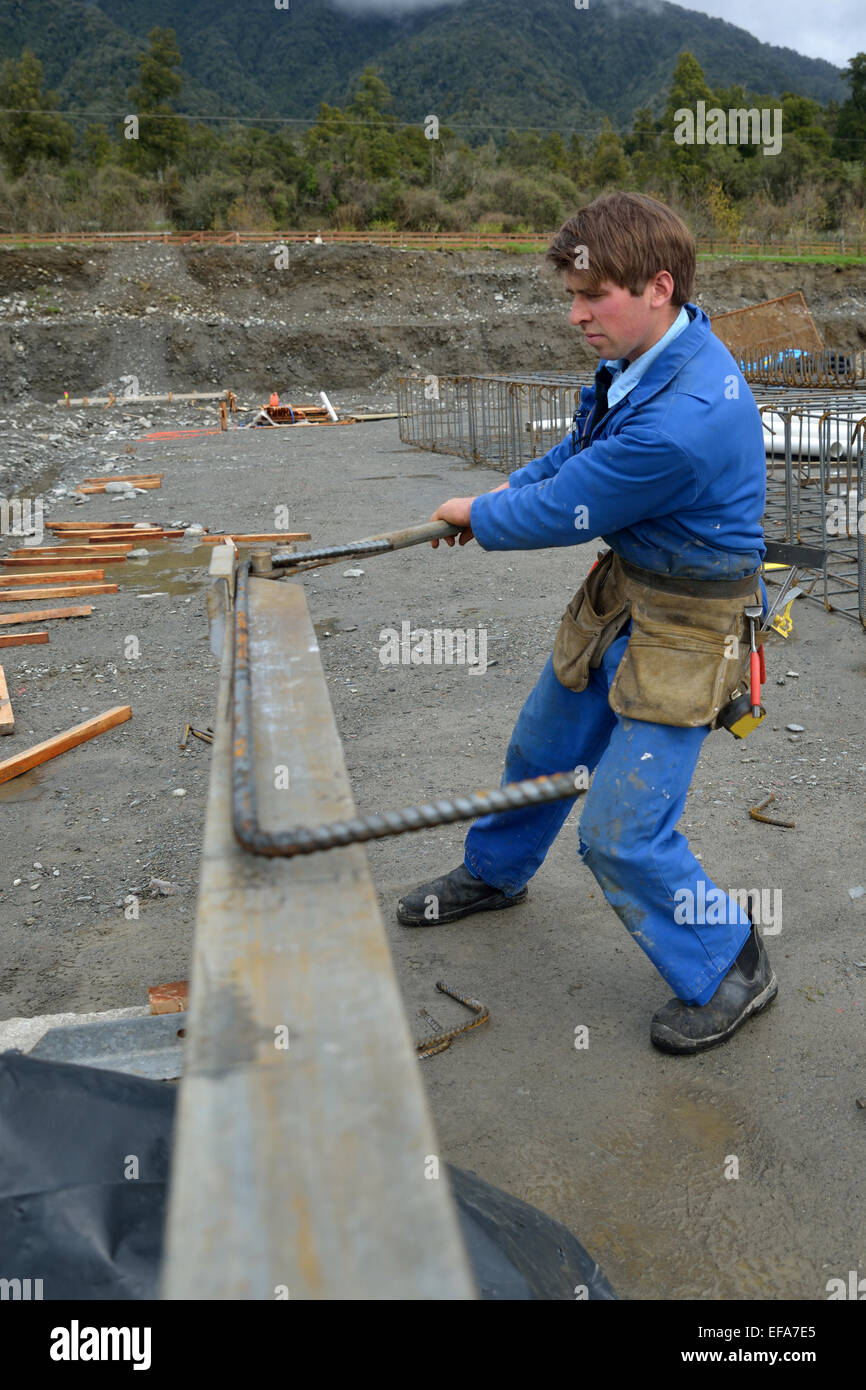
(757, 669)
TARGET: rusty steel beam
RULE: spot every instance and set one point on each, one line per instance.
(303, 1144)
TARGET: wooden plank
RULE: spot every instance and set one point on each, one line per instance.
(239, 539)
(23, 639)
(172, 998)
(52, 577)
(128, 536)
(67, 527)
(94, 556)
(60, 591)
(81, 534)
(131, 533)
(134, 400)
(59, 743)
(139, 536)
(122, 477)
(299, 1167)
(92, 489)
(83, 548)
(7, 718)
(42, 615)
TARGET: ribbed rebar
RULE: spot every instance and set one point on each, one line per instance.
(310, 839)
(291, 559)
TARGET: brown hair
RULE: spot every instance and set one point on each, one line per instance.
(629, 238)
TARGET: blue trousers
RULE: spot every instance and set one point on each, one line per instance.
(627, 833)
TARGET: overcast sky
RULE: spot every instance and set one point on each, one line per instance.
(831, 29)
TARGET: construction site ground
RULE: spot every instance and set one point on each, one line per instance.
(736, 1174)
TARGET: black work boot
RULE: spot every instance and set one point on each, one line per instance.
(749, 986)
(450, 897)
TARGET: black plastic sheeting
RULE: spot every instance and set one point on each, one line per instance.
(518, 1252)
(70, 1215)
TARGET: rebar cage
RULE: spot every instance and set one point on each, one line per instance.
(815, 441)
(501, 421)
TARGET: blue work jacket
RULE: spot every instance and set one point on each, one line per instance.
(673, 476)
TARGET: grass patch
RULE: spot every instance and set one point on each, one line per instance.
(807, 259)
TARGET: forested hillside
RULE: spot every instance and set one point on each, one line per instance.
(486, 63)
(105, 131)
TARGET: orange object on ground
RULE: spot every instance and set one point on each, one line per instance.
(168, 999)
(51, 747)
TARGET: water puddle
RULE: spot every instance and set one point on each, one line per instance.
(27, 787)
(327, 627)
(683, 1230)
(164, 571)
(216, 617)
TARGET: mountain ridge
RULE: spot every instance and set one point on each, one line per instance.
(485, 65)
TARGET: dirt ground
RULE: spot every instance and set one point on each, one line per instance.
(629, 1148)
(90, 319)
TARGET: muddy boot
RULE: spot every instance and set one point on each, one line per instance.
(450, 897)
(749, 986)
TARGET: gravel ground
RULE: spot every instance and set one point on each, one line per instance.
(629, 1148)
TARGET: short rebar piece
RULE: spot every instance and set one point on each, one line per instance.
(427, 1047)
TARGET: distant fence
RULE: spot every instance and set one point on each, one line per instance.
(815, 444)
(435, 240)
(501, 421)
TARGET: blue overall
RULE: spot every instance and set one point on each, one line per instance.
(673, 478)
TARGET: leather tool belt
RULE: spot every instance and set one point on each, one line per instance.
(681, 665)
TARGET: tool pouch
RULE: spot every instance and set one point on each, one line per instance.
(688, 650)
(596, 615)
(679, 667)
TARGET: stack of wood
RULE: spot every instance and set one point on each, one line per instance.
(289, 416)
(33, 573)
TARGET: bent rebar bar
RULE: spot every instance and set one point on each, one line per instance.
(309, 839)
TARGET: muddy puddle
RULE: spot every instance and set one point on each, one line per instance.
(164, 571)
(28, 786)
(333, 627)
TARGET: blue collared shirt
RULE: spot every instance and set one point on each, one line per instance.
(674, 479)
(626, 375)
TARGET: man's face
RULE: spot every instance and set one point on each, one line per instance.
(617, 323)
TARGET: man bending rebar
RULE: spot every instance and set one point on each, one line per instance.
(665, 461)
